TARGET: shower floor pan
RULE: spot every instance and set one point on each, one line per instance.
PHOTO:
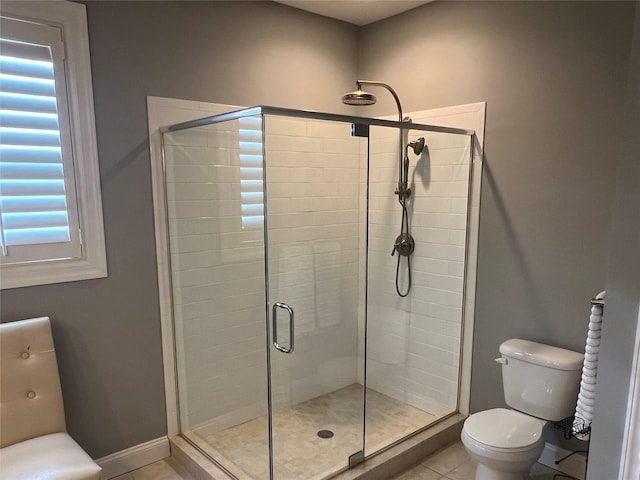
(243, 449)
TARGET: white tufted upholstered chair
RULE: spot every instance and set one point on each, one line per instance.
(33, 439)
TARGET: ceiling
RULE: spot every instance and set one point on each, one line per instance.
(358, 12)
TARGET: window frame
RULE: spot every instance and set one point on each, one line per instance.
(71, 19)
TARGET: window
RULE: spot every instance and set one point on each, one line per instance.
(50, 207)
(251, 174)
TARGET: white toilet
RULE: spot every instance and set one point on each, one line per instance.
(541, 384)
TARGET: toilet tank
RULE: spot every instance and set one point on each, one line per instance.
(540, 380)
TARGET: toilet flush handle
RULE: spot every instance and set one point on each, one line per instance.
(501, 360)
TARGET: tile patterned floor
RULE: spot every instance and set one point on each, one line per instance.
(453, 463)
(450, 463)
(243, 448)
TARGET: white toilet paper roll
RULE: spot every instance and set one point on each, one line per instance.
(587, 418)
(586, 408)
(589, 394)
(594, 342)
(586, 396)
(589, 402)
(582, 413)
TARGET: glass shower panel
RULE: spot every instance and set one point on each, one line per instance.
(316, 220)
(414, 343)
(216, 234)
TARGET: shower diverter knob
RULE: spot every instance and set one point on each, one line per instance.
(404, 245)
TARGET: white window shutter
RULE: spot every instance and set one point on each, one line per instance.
(251, 172)
(38, 206)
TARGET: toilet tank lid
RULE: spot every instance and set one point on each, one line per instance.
(540, 354)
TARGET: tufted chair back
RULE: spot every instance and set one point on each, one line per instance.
(30, 394)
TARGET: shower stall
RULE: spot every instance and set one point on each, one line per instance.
(295, 356)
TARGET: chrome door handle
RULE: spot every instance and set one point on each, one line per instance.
(274, 326)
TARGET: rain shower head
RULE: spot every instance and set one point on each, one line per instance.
(359, 97)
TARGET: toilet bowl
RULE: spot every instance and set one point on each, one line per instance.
(505, 443)
(541, 384)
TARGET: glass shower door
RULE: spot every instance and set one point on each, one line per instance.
(316, 226)
(414, 342)
(216, 237)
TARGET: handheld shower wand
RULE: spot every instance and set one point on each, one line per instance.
(405, 244)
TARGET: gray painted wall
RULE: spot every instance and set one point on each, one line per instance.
(107, 331)
(623, 289)
(553, 75)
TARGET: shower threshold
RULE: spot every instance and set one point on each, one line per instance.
(243, 451)
(380, 467)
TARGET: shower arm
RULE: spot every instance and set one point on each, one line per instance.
(402, 191)
(359, 83)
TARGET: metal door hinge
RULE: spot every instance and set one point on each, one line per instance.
(360, 130)
(356, 459)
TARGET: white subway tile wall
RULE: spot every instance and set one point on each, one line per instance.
(317, 213)
(214, 189)
(414, 342)
(214, 180)
(314, 200)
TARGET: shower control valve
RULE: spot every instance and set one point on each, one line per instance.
(404, 245)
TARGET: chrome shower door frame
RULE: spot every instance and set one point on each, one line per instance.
(271, 335)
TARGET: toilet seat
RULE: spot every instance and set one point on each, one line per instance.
(503, 430)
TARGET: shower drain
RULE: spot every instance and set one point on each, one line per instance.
(325, 434)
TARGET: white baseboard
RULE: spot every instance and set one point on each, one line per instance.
(133, 458)
(575, 465)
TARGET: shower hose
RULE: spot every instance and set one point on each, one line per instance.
(404, 234)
